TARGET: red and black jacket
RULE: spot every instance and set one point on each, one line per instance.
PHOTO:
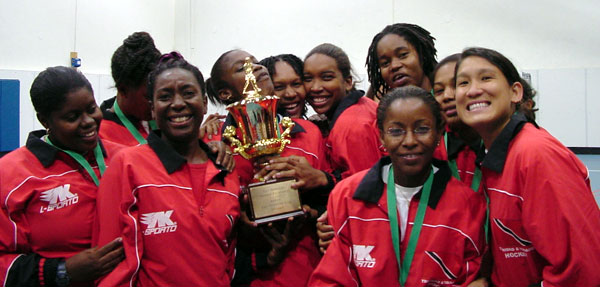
(544, 221)
(448, 251)
(48, 207)
(177, 221)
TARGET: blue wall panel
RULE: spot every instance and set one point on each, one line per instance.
(9, 115)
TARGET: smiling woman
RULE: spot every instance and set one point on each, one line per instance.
(350, 116)
(429, 225)
(171, 192)
(291, 260)
(286, 73)
(51, 184)
(540, 202)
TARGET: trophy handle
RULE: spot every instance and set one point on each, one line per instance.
(238, 147)
(287, 123)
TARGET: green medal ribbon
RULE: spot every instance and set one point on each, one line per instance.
(130, 127)
(404, 267)
(474, 185)
(84, 163)
(454, 169)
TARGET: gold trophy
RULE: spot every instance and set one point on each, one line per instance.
(259, 134)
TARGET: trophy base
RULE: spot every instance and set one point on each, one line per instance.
(278, 217)
(274, 200)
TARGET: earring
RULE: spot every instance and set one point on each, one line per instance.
(48, 131)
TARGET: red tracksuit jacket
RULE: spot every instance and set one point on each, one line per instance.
(544, 221)
(112, 128)
(176, 221)
(362, 254)
(48, 207)
(299, 263)
(353, 142)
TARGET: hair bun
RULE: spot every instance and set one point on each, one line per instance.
(138, 39)
(173, 56)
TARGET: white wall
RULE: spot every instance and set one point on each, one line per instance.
(555, 40)
(36, 34)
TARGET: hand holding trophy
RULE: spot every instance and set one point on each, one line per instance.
(259, 134)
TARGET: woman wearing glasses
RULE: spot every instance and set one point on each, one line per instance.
(434, 232)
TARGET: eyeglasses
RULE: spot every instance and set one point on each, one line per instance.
(400, 132)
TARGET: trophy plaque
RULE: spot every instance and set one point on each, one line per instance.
(260, 133)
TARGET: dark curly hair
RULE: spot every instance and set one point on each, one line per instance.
(50, 88)
(408, 92)
(421, 40)
(173, 60)
(509, 71)
(133, 61)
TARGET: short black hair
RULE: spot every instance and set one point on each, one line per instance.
(50, 88)
(408, 92)
(509, 71)
(450, 59)
(215, 82)
(173, 60)
(133, 61)
(421, 40)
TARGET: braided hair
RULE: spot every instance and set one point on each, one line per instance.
(133, 61)
(295, 62)
(418, 37)
(291, 59)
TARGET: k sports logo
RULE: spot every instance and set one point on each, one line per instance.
(362, 256)
(158, 222)
(58, 198)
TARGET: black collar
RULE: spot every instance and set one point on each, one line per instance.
(230, 121)
(111, 116)
(44, 152)
(371, 187)
(496, 155)
(346, 102)
(456, 144)
(172, 161)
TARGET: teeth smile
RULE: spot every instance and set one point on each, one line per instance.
(291, 106)
(477, 106)
(180, 119)
(319, 100)
(89, 134)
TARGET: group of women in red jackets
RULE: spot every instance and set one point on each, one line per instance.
(439, 176)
